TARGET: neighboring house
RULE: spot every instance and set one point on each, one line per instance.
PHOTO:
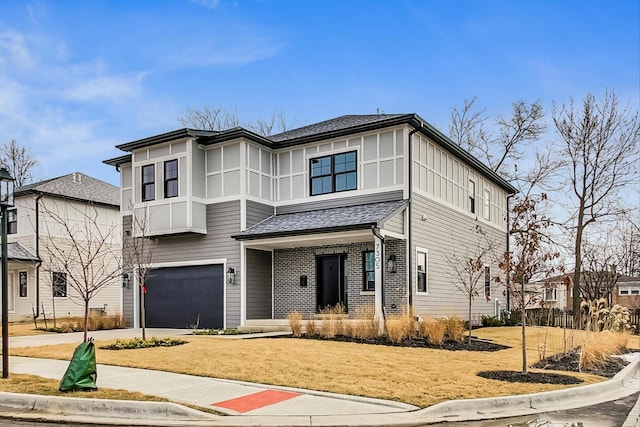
(557, 292)
(626, 292)
(360, 210)
(33, 286)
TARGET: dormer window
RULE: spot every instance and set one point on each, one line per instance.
(148, 183)
(170, 178)
(334, 173)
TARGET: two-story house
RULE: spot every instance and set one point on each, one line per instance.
(360, 210)
(35, 288)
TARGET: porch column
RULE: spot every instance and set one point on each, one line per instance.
(379, 257)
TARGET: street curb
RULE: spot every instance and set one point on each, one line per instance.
(128, 409)
(622, 384)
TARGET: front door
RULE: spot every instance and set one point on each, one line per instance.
(331, 281)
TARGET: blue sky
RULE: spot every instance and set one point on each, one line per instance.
(78, 77)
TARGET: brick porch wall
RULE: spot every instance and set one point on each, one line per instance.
(290, 264)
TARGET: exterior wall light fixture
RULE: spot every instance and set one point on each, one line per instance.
(231, 275)
(391, 264)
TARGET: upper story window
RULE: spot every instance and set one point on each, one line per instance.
(550, 294)
(12, 221)
(334, 173)
(171, 178)
(148, 183)
(472, 196)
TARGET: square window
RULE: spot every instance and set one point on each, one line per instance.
(334, 173)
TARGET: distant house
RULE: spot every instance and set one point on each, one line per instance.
(627, 292)
(33, 287)
(360, 210)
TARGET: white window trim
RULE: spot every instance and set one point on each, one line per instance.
(426, 267)
(486, 205)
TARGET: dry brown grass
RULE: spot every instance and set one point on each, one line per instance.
(364, 325)
(400, 327)
(434, 330)
(67, 324)
(31, 384)
(310, 327)
(364, 370)
(598, 347)
(295, 323)
(455, 328)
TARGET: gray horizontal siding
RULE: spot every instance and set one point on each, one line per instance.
(340, 202)
(223, 220)
(446, 232)
(127, 293)
(259, 299)
(396, 224)
(257, 212)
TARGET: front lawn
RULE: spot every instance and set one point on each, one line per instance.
(420, 376)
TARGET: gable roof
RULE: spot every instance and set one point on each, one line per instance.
(333, 128)
(75, 186)
(346, 218)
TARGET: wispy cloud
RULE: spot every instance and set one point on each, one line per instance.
(114, 88)
(14, 50)
(211, 4)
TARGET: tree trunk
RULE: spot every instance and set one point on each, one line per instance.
(142, 314)
(578, 268)
(524, 331)
(86, 319)
(469, 338)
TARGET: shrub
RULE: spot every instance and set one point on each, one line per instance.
(310, 327)
(455, 328)
(295, 323)
(365, 325)
(599, 346)
(491, 321)
(135, 343)
(332, 320)
(400, 327)
(96, 322)
(434, 330)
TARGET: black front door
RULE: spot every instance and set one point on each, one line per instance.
(330, 275)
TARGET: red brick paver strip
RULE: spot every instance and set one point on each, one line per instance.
(256, 400)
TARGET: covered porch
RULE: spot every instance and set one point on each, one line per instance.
(353, 257)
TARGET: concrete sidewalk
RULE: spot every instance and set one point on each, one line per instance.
(257, 404)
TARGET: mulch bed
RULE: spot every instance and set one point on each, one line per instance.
(451, 345)
(530, 377)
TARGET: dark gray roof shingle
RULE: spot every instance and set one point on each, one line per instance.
(75, 186)
(323, 220)
(17, 252)
(332, 125)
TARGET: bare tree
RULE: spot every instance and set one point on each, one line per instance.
(530, 256)
(468, 269)
(82, 248)
(503, 148)
(217, 118)
(626, 236)
(19, 161)
(600, 143)
(600, 269)
(138, 256)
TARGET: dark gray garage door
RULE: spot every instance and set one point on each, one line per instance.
(178, 296)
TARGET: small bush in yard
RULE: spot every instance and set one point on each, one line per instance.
(455, 328)
(295, 323)
(135, 343)
(310, 327)
(491, 321)
(434, 330)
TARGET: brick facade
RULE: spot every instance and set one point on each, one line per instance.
(291, 264)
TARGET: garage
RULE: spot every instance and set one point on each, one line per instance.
(182, 297)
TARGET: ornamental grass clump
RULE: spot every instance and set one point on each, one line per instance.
(433, 330)
(295, 323)
(364, 325)
(598, 347)
(455, 328)
(400, 327)
(310, 327)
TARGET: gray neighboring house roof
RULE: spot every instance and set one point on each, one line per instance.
(347, 218)
(75, 186)
(17, 252)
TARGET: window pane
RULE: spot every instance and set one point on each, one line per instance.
(321, 185)
(422, 282)
(321, 166)
(149, 192)
(171, 189)
(171, 169)
(147, 174)
(346, 181)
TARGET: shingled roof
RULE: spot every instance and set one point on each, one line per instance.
(76, 186)
(345, 218)
(17, 252)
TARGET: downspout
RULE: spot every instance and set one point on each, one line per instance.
(37, 311)
(409, 208)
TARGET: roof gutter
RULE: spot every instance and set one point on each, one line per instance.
(39, 264)
(409, 219)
